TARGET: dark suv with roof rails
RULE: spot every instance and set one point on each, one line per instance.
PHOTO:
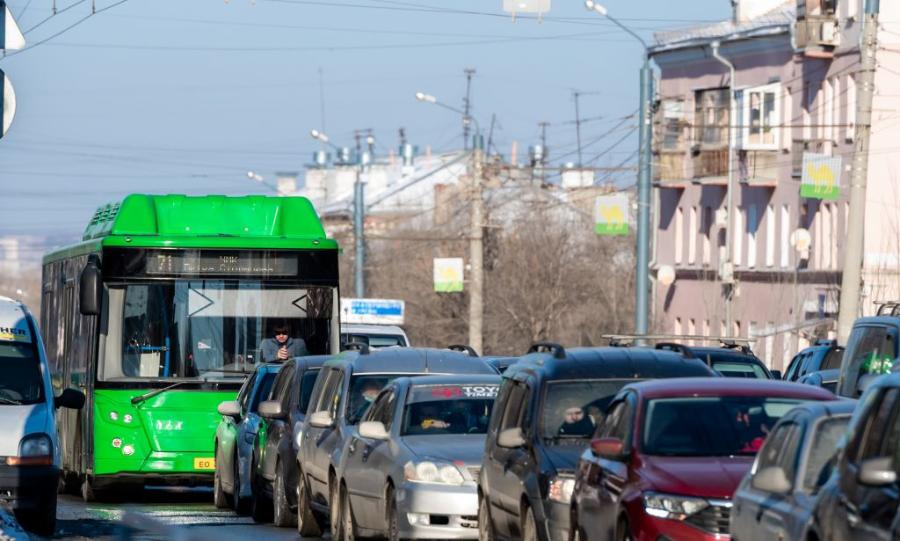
(871, 350)
(732, 358)
(823, 355)
(548, 407)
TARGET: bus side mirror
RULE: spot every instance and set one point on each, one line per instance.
(90, 288)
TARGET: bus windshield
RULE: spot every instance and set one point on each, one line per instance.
(211, 329)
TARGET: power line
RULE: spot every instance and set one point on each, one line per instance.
(66, 29)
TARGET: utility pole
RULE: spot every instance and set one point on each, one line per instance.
(476, 250)
(543, 160)
(359, 211)
(853, 254)
(576, 94)
(467, 106)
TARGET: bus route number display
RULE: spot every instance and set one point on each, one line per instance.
(232, 263)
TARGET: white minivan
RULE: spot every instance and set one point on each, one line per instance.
(29, 450)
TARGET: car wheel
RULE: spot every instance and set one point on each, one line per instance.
(283, 517)
(260, 504)
(529, 527)
(221, 499)
(240, 504)
(348, 527)
(393, 519)
(623, 531)
(334, 508)
(308, 524)
(41, 520)
(485, 524)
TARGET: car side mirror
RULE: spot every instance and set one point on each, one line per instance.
(608, 447)
(772, 479)
(71, 399)
(373, 430)
(511, 438)
(230, 408)
(877, 472)
(271, 409)
(777, 374)
(321, 419)
(90, 288)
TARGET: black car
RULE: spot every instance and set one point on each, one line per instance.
(823, 355)
(274, 479)
(871, 350)
(860, 500)
(344, 389)
(730, 360)
(548, 407)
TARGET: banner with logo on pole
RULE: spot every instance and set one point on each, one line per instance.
(448, 274)
(611, 214)
(821, 177)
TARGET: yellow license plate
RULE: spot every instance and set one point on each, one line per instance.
(204, 463)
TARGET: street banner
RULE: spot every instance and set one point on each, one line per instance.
(372, 311)
(821, 176)
(448, 274)
(611, 214)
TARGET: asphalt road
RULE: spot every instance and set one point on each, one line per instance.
(176, 513)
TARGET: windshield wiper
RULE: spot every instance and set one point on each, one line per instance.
(10, 401)
(155, 392)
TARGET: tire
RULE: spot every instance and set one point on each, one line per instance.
(393, 519)
(260, 504)
(485, 524)
(623, 531)
(308, 524)
(334, 507)
(575, 533)
(41, 520)
(239, 504)
(282, 515)
(221, 499)
(529, 526)
(348, 527)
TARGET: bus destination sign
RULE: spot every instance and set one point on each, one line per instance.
(175, 263)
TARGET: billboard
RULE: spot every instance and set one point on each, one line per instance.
(611, 214)
(821, 176)
(372, 311)
(448, 274)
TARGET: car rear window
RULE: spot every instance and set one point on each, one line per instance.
(710, 425)
(731, 369)
(832, 359)
(871, 350)
(22, 382)
(449, 409)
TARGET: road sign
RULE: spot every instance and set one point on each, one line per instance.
(611, 215)
(821, 176)
(11, 38)
(9, 104)
(373, 311)
(448, 274)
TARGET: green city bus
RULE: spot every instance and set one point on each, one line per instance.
(160, 313)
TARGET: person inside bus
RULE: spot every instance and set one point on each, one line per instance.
(281, 346)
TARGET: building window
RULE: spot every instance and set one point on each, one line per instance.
(692, 329)
(707, 231)
(706, 329)
(785, 244)
(770, 343)
(736, 237)
(692, 236)
(679, 235)
(770, 236)
(752, 225)
(835, 210)
(672, 125)
(712, 117)
(762, 114)
(676, 329)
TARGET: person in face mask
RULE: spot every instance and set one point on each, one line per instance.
(369, 393)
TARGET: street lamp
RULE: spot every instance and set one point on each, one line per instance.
(256, 177)
(359, 210)
(642, 285)
(476, 230)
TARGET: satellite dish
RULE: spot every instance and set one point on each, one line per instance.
(801, 240)
(666, 275)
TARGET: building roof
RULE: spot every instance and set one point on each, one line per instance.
(776, 21)
(687, 387)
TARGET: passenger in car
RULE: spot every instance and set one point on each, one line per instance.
(576, 423)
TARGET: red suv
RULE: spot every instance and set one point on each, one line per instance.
(669, 454)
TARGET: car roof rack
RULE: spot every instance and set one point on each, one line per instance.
(677, 348)
(557, 350)
(361, 347)
(729, 342)
(888, 308)
(462, 348)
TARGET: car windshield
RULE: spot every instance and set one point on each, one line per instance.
(364, 390)
(737, 369)
(21, 382)
(710, 426)
(871, 351)
(449, 409)
(210, 329)
(572, 409)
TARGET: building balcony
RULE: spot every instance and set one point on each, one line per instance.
(818, 35)
(758, 167)
(710, 165)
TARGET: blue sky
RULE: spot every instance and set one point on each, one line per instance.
(186, 96)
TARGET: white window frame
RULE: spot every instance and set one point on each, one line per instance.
(774, 123)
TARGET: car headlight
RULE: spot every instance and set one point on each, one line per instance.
(561, 488)
(433, 472)
(34, 450)
(673, 507)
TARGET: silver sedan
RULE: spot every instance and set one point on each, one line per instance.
(411, 470)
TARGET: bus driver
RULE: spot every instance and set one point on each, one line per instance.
(282, 347)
